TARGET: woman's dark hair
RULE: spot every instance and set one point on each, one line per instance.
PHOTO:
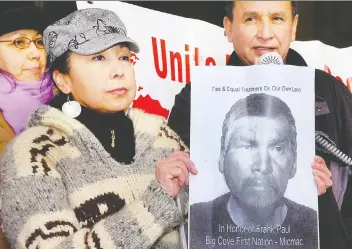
(61, 64)
(231, 4)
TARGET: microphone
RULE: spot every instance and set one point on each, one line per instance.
(270, 58)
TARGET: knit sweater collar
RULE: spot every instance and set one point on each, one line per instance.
(113, 130)
(147, 128)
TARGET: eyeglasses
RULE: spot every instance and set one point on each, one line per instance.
(24, 42)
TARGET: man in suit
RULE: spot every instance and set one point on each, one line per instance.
(257, 27)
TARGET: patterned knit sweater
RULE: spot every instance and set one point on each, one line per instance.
(61, 189)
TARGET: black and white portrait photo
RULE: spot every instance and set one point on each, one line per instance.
(258, 156)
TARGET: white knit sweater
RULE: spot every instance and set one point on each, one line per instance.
(61, 189)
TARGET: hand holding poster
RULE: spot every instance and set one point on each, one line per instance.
(252, 139)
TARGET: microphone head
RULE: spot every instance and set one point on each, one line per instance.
(273, 58)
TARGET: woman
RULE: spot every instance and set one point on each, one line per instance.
(23, 84)
(90, 172)
(22, 64)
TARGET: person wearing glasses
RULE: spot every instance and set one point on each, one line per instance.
(25, 83)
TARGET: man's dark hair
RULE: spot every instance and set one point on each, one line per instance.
(231, 4)
(259, 105)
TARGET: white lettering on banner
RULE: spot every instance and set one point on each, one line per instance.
(172, 45)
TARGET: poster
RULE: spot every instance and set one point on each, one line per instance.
(252, 138)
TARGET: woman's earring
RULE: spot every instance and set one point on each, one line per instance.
(71, 109)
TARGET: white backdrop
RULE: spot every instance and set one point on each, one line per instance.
(193, 42)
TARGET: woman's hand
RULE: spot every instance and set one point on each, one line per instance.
(173, 172)
(322, 175)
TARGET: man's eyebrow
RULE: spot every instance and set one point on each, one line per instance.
(250, 13)
(278, 13)
(256, 13)
(243, 138)
(279, 141)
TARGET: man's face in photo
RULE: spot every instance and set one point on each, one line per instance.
(259, 27)
(259, 160)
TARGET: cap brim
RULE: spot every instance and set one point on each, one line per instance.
(101, 43)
